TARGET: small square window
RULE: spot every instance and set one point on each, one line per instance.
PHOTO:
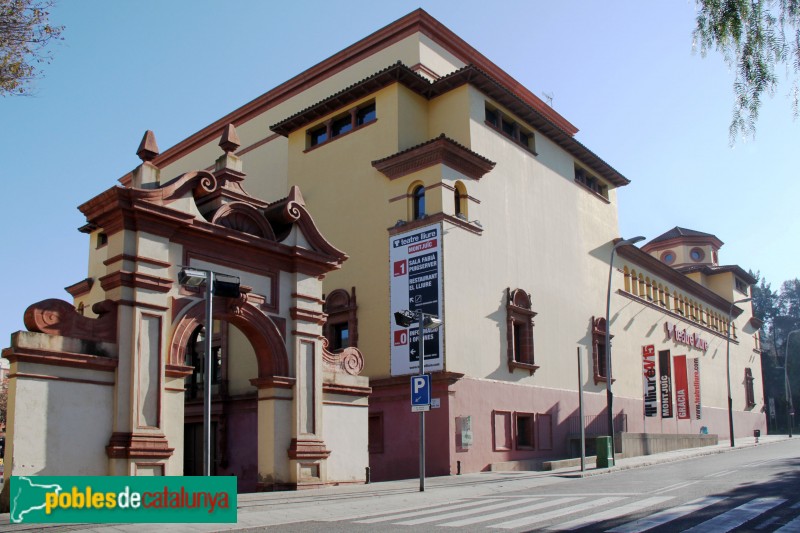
(508, 127)
(492, 117)
(342, 125)
(365, 114)
(102, 239)
(318, 135)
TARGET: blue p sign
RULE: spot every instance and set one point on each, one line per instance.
(420, 390)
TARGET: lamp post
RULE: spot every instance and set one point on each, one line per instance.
(196, 277)
(789, 404)
(609, 394)
(728, 366)
(424, 321)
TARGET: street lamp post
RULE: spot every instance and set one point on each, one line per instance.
(195, 277)
(609, 394)
(789, 403)
(728, 366)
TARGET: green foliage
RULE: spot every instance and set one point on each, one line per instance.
(24, 36)
(780, 311)
(752, 37)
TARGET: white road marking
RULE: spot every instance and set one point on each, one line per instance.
(467, 512)
(411, 511)
(675, 487)
(610, 514)
(539, 518)
(375, 513)
(665, 516)
(720, 474)
(738, 516)
(512, 512)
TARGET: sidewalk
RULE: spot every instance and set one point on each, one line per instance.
(337, 503)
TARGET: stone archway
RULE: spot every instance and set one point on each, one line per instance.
(265, 337)
(242, 424)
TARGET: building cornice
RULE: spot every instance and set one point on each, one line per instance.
(441, 150)
(656, 267)
(416, 21)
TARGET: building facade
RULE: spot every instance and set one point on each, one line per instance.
(456, 191)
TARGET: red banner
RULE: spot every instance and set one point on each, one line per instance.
(681, 387)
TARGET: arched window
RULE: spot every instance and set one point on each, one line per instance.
(627, 279)
(635, 285)
(460, 200)
(519, 333)
(419, 202)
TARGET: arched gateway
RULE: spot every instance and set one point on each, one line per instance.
(105, 391)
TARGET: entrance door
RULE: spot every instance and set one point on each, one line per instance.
(193, 449)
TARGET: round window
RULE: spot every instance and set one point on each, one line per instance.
(668, 257)
(697, 254)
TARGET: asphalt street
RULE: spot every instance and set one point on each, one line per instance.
(749, 488)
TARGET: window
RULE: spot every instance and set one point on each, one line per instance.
(318, 135)
(591, 182)
(102, 239)
(365, 114)
(419, 202)
(375, 433)
(510, 128)
(524, 431)
(668, 257)
(748, 388)
(741, 286)
(341, 327)
(341, 124)
(599, 349)
(520, 331)
(697, 254)
(460, 200)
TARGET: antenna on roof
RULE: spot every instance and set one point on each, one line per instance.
(548, 98)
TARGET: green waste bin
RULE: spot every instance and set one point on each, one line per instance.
(604, 457)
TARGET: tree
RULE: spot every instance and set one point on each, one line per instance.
(752, 37)
(24, 36)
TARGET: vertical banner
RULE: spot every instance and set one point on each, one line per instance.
(665, 375)
(415, 270)
(695, 376)
(649, 378)
(681, 387)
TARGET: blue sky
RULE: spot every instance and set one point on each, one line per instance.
(622, 71)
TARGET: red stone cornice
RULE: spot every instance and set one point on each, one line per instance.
(433, 219)
(80, 288)
(307, 315)
(137, 280)
(138, 445)
(64, 359)
(439, 151)
(349, 390)
(416, 21)
(307, 449)
(683, 240)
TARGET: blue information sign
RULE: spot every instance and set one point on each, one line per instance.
(420, 392)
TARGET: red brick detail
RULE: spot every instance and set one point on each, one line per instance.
(439, 151)
(304, 449)
(138, 445)
(57, 317)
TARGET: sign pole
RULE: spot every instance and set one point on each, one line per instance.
(207, 376)
(580, 411)
(420, 316)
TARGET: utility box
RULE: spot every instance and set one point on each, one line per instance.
(604, 457)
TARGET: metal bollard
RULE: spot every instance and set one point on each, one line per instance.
(367, 477)
(458, 468)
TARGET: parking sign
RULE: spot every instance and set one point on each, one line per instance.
(420, 393)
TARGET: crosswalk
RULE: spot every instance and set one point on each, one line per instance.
(570, 512)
